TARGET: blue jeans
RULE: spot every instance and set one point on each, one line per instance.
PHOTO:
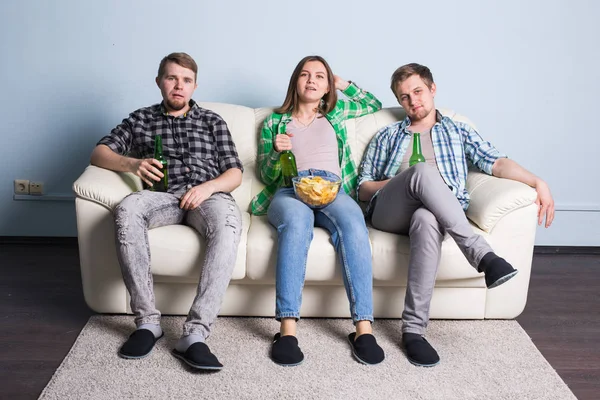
(295, 223)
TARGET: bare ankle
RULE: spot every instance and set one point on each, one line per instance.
(363, 327)
(288, 327)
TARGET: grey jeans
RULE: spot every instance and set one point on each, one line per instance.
(417, 202)
(217, 219)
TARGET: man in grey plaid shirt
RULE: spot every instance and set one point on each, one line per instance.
(203, 168)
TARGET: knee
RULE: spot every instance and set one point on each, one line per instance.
(353, 224)
(296, 227)
(291, 219)
(231, 224)
(127, 210)
(424, 220)
(423, 176)
(292, 228)
(423, 169)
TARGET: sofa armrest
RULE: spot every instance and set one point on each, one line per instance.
(105, 187)
(492, 198)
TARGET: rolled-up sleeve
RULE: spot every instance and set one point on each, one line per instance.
(228, 155)
(360, 102)
(120, 139)
(479, 152)
(375, 158)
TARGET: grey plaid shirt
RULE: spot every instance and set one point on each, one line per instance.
(197, 145)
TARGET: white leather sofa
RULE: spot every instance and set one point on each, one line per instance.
(503, 211)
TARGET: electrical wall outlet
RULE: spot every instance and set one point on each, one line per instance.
(36, 188)
(21, 186)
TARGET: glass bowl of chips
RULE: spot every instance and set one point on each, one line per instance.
(316, 191)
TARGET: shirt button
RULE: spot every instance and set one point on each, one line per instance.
(189, 186)
(187, 169)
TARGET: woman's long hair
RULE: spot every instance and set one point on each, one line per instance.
(291, 98)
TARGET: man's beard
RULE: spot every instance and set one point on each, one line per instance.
(420, 115)
(176, 106)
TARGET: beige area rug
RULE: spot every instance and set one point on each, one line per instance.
(480, 360)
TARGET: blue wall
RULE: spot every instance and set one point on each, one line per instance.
(526, 74)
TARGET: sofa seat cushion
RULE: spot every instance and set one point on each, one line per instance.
(391, 256)
(177, 252)
(322, 265)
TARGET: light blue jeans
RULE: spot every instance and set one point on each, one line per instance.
(295, 223)
(217, 219)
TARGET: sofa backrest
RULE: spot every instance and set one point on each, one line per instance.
(245, 125)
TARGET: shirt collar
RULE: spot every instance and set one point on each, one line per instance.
(192, 103)
(286, 118)
(406, 121)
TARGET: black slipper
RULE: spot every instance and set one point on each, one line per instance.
(285, 351)
(497, 270)
(418, 350)
(198, 356)
(365, 349)
(139, 345)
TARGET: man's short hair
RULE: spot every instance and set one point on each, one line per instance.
(182, 59)
(408, 70)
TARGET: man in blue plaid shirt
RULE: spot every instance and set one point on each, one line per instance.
(429, 199)
(203, 168)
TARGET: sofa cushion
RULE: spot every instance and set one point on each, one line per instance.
(492, 198)
(177, 252)
(105, 187)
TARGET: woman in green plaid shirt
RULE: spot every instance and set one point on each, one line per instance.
(312, 122)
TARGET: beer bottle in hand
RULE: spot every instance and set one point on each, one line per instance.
(163, 184)
(416, 156)
(288, 167)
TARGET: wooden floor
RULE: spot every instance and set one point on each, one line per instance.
(42, 311)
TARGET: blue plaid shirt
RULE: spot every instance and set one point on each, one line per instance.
(456, 145)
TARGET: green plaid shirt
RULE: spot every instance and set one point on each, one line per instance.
(360, 103)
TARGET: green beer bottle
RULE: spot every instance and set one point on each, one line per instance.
(416, 156)
(163, 184)
(288, 167)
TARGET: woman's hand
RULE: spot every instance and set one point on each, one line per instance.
(340, 84)
(147, 170)
(283, 142)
